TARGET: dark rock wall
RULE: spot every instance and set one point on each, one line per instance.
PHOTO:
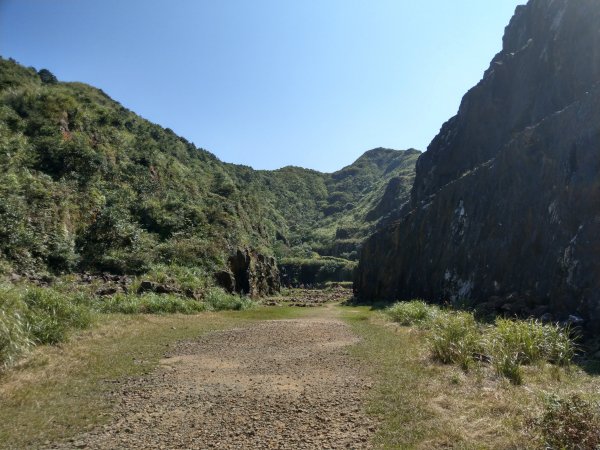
(251, 273)
(506, 200)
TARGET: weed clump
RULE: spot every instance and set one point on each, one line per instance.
(569, 423)
(217, 300)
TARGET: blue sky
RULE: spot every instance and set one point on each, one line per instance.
(269, 83)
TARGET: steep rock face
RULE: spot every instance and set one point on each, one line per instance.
(506, 202)
(251, 273)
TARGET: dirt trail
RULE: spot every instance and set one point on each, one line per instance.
(272, 384)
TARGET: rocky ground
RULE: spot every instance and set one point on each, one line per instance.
(311, 297)
(285, 384)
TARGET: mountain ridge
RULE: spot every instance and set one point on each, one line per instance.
(90, 185)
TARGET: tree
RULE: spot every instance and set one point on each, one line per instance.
(47, 77)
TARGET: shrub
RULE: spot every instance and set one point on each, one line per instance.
(415, 312)
(571, 423)
(47, 77)
(455, 338)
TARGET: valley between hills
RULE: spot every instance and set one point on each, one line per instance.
(154, 296)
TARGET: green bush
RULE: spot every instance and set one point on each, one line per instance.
(571, 423)
(455, 338)
(415, 312)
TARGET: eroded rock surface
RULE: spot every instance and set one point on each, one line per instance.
(250, 273)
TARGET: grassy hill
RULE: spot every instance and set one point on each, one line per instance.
(89, 185)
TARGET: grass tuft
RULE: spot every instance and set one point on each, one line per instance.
(217, 299)
(14, 338)
(455, 338)
(512, 343)
(415, 312)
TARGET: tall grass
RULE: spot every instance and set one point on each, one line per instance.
(185, 278)
(149, 303)
(217, 299)
(415, 312)
(457, 338)
(14, 337)
(31, 315)
(50, 315)
(512, 343)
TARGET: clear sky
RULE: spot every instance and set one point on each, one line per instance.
(269, 83)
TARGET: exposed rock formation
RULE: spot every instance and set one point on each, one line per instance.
(250, 273)
(505, 207)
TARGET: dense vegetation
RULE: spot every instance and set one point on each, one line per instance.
(89, 185)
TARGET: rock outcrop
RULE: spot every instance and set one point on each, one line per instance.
(250, 273)
(505, 208)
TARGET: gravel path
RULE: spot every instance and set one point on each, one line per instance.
(286, 384)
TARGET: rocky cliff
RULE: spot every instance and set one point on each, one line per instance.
(250, 273)
(505, 208)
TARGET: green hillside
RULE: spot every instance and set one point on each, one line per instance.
(88, 185)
